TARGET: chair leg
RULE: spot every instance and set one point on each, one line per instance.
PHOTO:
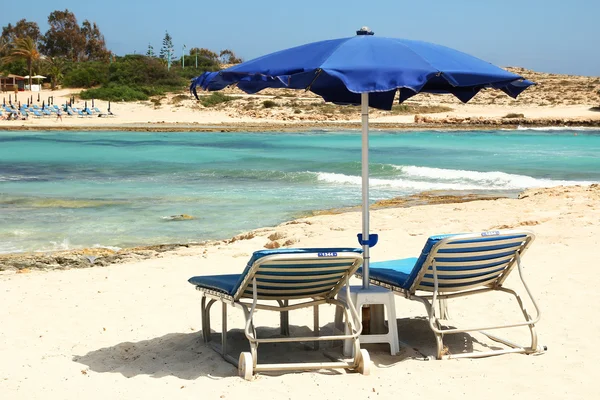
(436, 327)
(203, 317)
(224, 330)
(284, 319)
(316, 329)
(338, 322)
(443, 305)
(439, 338)
(206, 319)
(533, 348)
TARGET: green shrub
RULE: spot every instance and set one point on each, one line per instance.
(418, 109)
(214, 99)
(133, 77)
(156, 101)
(514, 115)
(177, 99)
(114, 93)
(86, 75)
(269, 104)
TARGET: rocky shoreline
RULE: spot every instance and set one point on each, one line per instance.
(421, 123)
(101, 257)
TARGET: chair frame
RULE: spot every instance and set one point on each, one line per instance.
(247, 363)
(495, 283)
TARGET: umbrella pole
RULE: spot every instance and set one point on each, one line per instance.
(364, 105)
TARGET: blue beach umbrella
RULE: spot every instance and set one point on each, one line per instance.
(368, 70)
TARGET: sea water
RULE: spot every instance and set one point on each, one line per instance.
(68, 190)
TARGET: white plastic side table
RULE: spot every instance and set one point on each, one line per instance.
(374, 296)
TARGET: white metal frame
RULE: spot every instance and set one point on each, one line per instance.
(435, 303)
(247, 363)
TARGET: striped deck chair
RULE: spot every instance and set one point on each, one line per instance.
(453, 266)
(273, 278)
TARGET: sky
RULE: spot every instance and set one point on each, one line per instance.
(543, 35)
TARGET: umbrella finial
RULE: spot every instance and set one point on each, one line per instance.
(365, 30)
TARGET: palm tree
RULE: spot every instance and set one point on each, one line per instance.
(3, 49)
(55, 67)
(24, 48)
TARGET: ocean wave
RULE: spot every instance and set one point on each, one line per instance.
(554, 128)
(20, 178)
(113, 248)
(413, 178)
(255, 175)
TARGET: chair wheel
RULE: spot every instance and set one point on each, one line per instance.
(245, 366)
(364, 362)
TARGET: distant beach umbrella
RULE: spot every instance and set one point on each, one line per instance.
(369, 71)
(85, 106)
(109, 106)
(92, 103)
(43, 105)
(27, 102)
(38, 98)
(19, 104)
(9, 99)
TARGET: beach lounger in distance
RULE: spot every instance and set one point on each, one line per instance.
(452, 266)
(282, 280)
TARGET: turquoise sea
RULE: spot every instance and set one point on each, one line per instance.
(67, 190)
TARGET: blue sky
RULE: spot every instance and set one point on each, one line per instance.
(544, 35)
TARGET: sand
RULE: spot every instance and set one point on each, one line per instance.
(132, 330)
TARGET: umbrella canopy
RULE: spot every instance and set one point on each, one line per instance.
(340, 70)
(367, 70)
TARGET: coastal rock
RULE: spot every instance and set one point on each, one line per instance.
(179, 217)
(272, 245)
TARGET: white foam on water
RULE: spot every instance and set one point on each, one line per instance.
(57, 246)
(99, 246)
(413, 178)
(482, 180)
(554, 128)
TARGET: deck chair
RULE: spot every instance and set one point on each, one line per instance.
(452, 266)
(273, 278)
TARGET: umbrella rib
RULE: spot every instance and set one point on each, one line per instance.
(319, 71)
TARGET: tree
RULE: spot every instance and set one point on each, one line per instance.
(64, 38)
(209, 55)
(21, 29)
(55, 69)
(4, 46)
(167, 51)
(26, 49)
(95, 46)
(228, 57)
(150, 51)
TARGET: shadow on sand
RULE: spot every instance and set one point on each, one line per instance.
(186, 356)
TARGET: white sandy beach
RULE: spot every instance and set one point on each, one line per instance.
(131, 331)
(188, 114)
